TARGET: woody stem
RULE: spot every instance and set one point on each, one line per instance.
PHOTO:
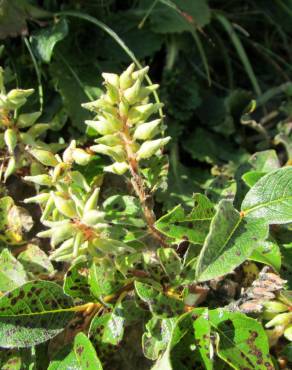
(138, 185)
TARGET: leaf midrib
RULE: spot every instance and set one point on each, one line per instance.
(265, 204)
(223, 246)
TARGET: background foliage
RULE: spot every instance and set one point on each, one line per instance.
(225, 72)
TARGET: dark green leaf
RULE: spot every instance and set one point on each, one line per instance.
(268, 253)
(81, 357)
(202, 332)
(242, 340)
(33, 313)
(156, 338)
(252, 177)
(76, 282)
(230, 241)
(159, 303)
(193, 226)
(44, 41)
(179, 15)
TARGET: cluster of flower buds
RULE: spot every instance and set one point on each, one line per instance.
(17, 131)
(69, 207)
(279, 314)
(122, 120)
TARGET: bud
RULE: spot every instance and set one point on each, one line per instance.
(93, 217)
(140, 73)
(119, 168)
(112, 246)
(81, 157)
(17, 97)
(132, 93)
(283, 319)
(117, 152)
(44, 180)
(142, 112)
(102, 127)
(112, 94)
(123, 108)
(38, 129)
(50, 206)
(112, 79)
(80, 180)
(147, 130)
(98, 105)
(68, 152)
(77, 243)
(26, 139)
(64, 249)
(27, 119)
(149, 148)
(91, 202)
(61, 233)
(59, 170)
(10, 138)
(44, 156)
(288, 333)
(147, 90)
(11, 167)
(64, 206)
(45, 234)
(38, 199)
(126, 79)
(110, 140)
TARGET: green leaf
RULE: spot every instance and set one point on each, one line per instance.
(193, 227)
(108, 328)
(76, 282)
(85, 353)
(179, 353)
(209, 147)
(104, 279)
(81, 357)
(70, 81)
(265, 161)
(242, 340)
(179, 15)
(230, 241)
(202, 332)
(44, 40)
(156, 338)
(170, 262)
(12, 273)
(33, 313)
(271, 198)
(35, 260)
(159, 303)
(107, 331)
(268, 253)
(252, 177)
(124, 210)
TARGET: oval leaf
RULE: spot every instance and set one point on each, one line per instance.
(33, 313)
(271, 197)
(230, 241)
